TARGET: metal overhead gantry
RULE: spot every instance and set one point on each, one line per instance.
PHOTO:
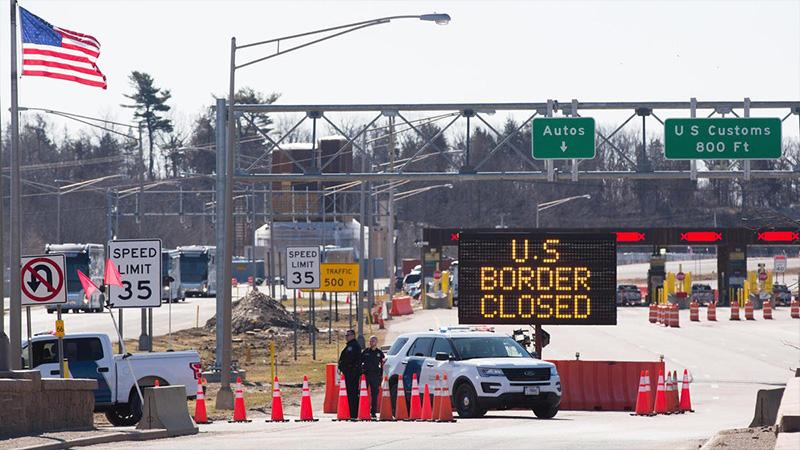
(475, 111)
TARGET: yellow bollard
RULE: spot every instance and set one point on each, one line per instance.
(670, 283)
(67, 374)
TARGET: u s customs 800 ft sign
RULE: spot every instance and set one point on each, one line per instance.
(530, 277)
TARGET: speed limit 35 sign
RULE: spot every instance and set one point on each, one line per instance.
(302, 267)
(139, 265)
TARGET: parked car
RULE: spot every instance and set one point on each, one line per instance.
(781, 294)
(702, 294)
(629, 294)
(412, 282)
(485, 371)
(90, 355)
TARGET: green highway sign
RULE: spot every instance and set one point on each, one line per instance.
(563, 138)
(734, 138)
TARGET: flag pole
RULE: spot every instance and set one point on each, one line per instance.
(15, 310)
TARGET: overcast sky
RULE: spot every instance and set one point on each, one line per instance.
(491, 52)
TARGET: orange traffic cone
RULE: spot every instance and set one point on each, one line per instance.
(748, 310)
(446, 407)
(676, 402)
(734, 309)
(401, 408)
(686, 399)
(795, 309)
(437, 399)
(661, 399)
(649, 390)
(711, 312)
(642, 404)
(200, 414)
(306, 412)
(343, 408)
(277, 403)
(416, 407)
(669, 389)
(363, 400)
(427, 412)
(239, 411)
(386, 401)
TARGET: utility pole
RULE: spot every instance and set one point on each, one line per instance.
(390, 253)
(365, 262)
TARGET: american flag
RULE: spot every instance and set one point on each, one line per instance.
(54, 52)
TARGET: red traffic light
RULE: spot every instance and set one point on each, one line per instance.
(778, 236)
(701, 236)
(630, 236)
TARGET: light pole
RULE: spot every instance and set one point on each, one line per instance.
(225, 396)
(547, 205)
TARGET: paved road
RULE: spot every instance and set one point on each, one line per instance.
(184, 315)
(730, 361)
(703, 266)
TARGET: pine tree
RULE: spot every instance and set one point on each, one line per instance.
(149, 102)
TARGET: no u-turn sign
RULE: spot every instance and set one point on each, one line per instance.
(42, 280)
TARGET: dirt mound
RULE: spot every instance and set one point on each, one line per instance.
(256, 311)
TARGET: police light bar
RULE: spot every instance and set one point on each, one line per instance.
(465, 328)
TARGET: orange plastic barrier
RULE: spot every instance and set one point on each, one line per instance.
(604, 385)
(401, 306)
(331, 389)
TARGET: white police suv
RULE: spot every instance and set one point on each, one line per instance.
(485, 370)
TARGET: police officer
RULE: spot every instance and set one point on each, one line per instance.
(372, 365)
(350, 366)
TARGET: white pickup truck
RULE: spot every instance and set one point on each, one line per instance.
(90, 355)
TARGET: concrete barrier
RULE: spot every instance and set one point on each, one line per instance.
(603, 385)
(767, 403)
(788, 420)
(401, 306)
(437, 300)
(165, 408)
(331, 403)
(30, 404)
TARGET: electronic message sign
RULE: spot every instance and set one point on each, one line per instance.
(535, 277)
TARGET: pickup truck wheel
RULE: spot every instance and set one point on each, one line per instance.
(545, 411)
(467, 402)
(121, 416)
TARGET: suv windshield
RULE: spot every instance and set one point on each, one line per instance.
(412, 278)
(488, 347)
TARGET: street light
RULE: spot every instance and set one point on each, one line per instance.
(547, 205)
(225, 395)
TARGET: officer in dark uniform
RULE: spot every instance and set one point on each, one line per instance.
(350, 366)
(372, 365)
